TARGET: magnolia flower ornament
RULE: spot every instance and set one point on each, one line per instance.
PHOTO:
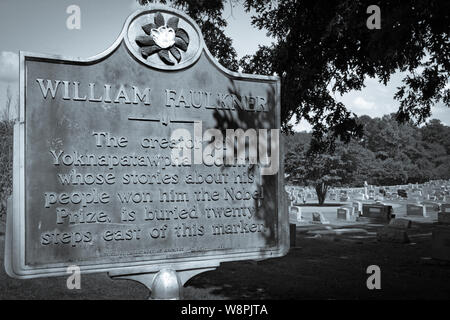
(163, 39)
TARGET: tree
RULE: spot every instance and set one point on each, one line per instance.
(321, 170)
(9, 105)
(208, 15)
(321, 45)
(412, 154)
(435, 132)
(6, 162)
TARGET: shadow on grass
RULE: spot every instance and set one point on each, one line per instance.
(335, 268)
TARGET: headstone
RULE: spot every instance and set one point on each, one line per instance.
(377, 212)
(441, 242)
(360, 196)
(343, 214)
(295, 214)
(431, 205)
(357, 205)
(290, 197)
(317, 217)
(416, 210)
(402, 193)
(441, 234)
(400, 223)
(392, 234)
(343, 195)
(114, 165)
(366, 194)
(292, 234)
(444, 213)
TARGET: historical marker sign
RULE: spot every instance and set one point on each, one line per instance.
(147, 154)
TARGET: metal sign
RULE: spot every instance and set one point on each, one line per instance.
(149, 154)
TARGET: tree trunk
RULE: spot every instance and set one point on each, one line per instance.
(321, 191)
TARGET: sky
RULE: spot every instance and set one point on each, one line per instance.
(40, 26)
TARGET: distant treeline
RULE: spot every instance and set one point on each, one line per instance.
(6, 141)
(389, 153)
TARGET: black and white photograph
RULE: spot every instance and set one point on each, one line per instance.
(224, 154)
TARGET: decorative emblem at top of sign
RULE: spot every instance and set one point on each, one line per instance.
(164, 38)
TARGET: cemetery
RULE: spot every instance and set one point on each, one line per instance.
(160, 163)
(374, 204)
(332, 234)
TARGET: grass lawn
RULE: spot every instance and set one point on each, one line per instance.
(323, 265)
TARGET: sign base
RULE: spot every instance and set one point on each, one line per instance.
(166, 283)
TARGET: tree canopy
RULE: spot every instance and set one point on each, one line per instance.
(388, 153)
(323, 48)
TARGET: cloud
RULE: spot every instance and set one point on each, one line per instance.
(377, 100)
(303, 125)
(361, 103)
(442, 113)
(9, 66)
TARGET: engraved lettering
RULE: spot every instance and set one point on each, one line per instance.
(141, 96)
(76, 93)
(49, 88)
(92, 94)
(122, 94)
